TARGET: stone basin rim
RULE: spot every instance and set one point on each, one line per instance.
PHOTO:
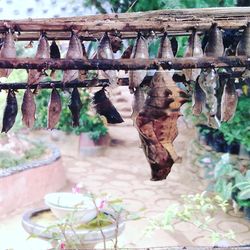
(90, 236)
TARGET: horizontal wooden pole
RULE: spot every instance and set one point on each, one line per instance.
(163, 20)
(95, 82)
(126, 64)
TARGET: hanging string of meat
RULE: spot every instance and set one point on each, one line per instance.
(55, 54)
(194, 49)
(43, 52)
(74, 52)
(8, 50)
(157, 124)
(140, 50)
(10, 112)
(75, 106)
(104, 51)
(54, 109)
(105, 107)
(28, 108)
(229, 101)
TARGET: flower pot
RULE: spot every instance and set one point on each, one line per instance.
(234, 148)
(219, 144)
(247, 212)
(90, 147)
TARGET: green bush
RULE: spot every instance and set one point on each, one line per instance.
(88, 122)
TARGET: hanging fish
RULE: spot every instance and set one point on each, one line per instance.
(198, 99)
(214, 46)
(229, 101)
(82, 72)
(74, 52)
(75, 106)
(157, 124)
(140, 50)
(116, 42)
(43, 52)
(138, 102)
(193, 49)
(54, 109)
(8, 50)
(10, 112)
(104, 51)
(105, 107)
(28, 108)
(55, 54)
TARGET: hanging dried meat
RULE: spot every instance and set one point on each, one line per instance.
(10, 112)
(105, 107)
(105, 51)
(8, 50)
(28, 108)
(140, 50)
(229, 101)
(75, 106)
(214, 46)
(54, 109)
(157, 124)
(193, 49)
(43, 52)
(243, 47)
(74, 52)
(174, 45)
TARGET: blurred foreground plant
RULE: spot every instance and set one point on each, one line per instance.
(198, 210)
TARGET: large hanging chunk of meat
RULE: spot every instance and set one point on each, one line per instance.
(8, 50)
(28, 108)
(157, 124)
(43, 52)
(54, 109)
(10, 112)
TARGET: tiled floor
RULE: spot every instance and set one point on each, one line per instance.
(123, 172)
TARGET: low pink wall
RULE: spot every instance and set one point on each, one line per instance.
(29, 186)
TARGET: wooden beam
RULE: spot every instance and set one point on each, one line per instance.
(126, 64)
(163, 20)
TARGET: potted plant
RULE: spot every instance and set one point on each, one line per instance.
(237, 131)
(243, 195)
(92, 130)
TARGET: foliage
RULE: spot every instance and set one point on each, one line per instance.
(243, 184)
(238, 129)
(198, 210)
(8, 159)
(88, 122)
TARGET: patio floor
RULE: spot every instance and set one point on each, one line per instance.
(123, 172)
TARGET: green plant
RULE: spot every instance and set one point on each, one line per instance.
(88, 122)
(243, 186)
(198, 210)
(238, 129)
